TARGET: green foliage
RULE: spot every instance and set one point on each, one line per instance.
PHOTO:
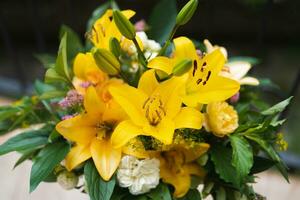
(47, 60)
(222, 159)
(261, 164)
(73, 43)
(162, 20)
(242, 157)
(192, 194)
(161, 192)
(278, 107)
(25, 156)
(45, 162)
(25, 141)
(251, 60)
(98, 189)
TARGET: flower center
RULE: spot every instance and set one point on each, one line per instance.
(104, 130)
(175, 160)
(154, 109)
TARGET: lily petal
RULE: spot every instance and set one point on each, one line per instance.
(77, 155)
(164, 131)
(162, 63)
(131, 100)
(249, 81)
(77, 129)
(106, 157)
(184, 48)
(188, 118)
(218, 89)
(93, 103)
(123, 133)
(148, 82)
(238, 69)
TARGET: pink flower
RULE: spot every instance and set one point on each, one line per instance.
(73, 98)
(140, 25)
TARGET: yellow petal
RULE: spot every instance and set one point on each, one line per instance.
(77, 129)
(135, 148)
(93, 103)
(106, 158)
(163, 132)
(124, 132)
(161, 63)
(80, 63)
(194, 169)
(148, 82)
(131, 100)
(77, 155)
(184, 49)
(181, 181)
(188, 118)
(217, 89)
(193, 153)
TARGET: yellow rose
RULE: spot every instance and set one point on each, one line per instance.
(221, 118)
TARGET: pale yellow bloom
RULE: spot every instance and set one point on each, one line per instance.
(221, 119)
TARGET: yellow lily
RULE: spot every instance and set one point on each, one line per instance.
(86, 71)
(154, 110)
(105, 28)
(91, 132)
(204, 84)
(177, 165)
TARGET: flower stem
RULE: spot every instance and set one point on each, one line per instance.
(168, 42)
(141, 56)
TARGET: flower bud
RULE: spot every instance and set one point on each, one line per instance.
(106, 61)
(124, 25)
(186, 12)
(182, 67)
(67, 180)
(114, 46)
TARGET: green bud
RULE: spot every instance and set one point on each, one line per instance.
(124, 25)
(186, 12)
(182, 67)
(106, 61)
(114, 46)
(67, 180)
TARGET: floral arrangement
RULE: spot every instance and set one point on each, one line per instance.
(127, 117)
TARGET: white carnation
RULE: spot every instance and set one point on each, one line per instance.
(140, 176)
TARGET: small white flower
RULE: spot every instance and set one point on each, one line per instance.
(151, 47)
(140, 176)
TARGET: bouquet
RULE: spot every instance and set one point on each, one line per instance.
(128, 117)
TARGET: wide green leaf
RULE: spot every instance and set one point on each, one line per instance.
(242, 156)
(61, 65)
(8, 112)
(98, 189)
(47, 159)
(74, 44)
(261, 164)
(193, 194)
(162, 20)
(25, 156)
(25, 141)
(278, 107)
(47, 60)
(222, 159)
(161, 192)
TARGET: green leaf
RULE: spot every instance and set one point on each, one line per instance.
(193, 194)
(8, 112)
(251, 60)
(52, 76)
(61, 65)
(47, 159)
(242, 157)
(74, 45)
(278, 107)
(161, 192)
(262, 164)
(54, 135)
(47, 60)
(269, 149)
(98, 189)
(162, 20)
(52, 94)
(25, 141)
(25, 156)
(221, 157)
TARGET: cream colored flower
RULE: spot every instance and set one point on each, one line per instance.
(221, 119)
(140, 176)
(236, 70)
(151, 47)
(67, 180)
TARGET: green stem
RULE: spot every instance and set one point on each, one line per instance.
(168, 42)
(141, 56)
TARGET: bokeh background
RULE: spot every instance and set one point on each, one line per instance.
(268, 30)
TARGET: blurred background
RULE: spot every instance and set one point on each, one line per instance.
(268, 30)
